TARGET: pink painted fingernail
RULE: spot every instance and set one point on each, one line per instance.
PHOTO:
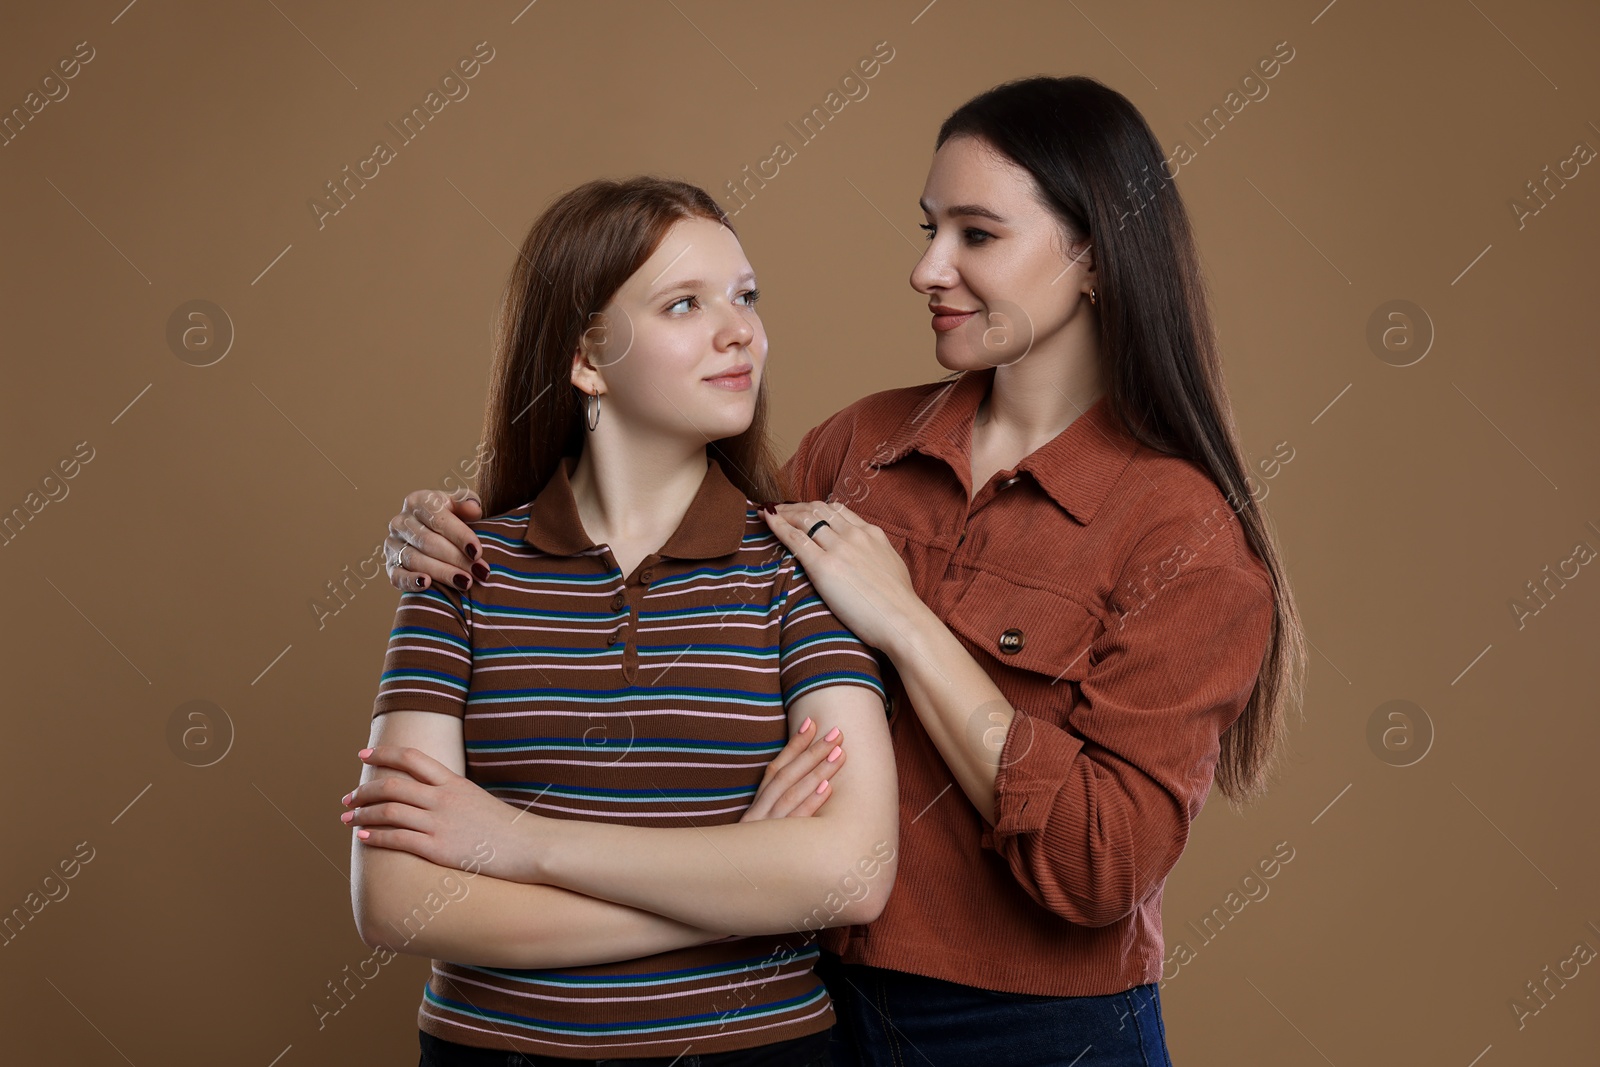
(347, 816)
(834, 754)
(822, 786)
(805, 725)
(833, 733)
(346, 798)
(364, 753)
(363, 834)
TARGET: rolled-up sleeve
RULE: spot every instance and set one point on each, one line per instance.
(1091, 815)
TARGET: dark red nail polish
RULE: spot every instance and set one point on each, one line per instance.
(472, 551)
(480, 571)
(462, 581)
(421, 581)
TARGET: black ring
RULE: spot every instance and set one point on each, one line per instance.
(817, 525)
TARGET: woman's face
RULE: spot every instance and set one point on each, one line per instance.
(996, 257)
(680, 348)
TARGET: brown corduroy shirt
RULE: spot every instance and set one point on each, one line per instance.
(1109, 592)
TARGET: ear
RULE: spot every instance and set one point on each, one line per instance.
(1081, 252)
(585, 372)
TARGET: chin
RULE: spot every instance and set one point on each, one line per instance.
(955, 356)
(716, 429)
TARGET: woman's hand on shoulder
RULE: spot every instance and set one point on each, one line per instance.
(854, 566)
(795, 782)
(434, 542)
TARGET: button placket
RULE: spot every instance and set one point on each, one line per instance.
(625, 599)
(630, 647)
(966, 523)
(985, 497)
(619, 634)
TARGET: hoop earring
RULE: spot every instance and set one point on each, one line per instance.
(1093, 299)
(591, 410)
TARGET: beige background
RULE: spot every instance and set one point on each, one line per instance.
(185, 558)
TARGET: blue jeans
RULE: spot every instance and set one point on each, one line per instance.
(894, 1019)
(811, 1050)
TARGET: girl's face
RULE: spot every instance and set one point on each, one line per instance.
(997, 270)
(680, 348)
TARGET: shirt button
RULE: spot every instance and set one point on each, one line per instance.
(619, 602)
(1011, 641)
(645, 576)
(962, 538)
(614, 638)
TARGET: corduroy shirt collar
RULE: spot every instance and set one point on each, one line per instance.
(713, 526)
(1076, 468)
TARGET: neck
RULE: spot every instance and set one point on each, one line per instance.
(1034, 399)
(629, 492)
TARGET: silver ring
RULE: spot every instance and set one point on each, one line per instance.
(817, 526)
(399, 558)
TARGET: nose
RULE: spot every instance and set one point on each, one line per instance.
(934, 270)
(736, 328)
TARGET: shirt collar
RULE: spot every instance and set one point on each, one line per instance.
(1076, 468)
(713, 526)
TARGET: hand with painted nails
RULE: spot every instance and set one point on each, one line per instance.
(432, 812)
(796, 781)
(854, 566)
(429, 541)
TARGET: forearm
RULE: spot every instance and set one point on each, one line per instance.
(769, 876)
(964, 713)
(416, 907)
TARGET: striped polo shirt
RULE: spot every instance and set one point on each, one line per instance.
(652, 699)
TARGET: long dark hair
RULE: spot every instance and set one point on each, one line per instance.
(1100, 170)
(572, 262)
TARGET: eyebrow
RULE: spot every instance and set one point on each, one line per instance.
(958, 210)
(696, 283)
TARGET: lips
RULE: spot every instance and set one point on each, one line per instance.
(739, 379)
(948, 318)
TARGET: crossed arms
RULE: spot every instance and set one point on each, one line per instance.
(599, 893)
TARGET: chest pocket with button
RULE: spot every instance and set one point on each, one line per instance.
(1034, 643)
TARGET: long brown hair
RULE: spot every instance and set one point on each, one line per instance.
(1099, 168)
(576, 256)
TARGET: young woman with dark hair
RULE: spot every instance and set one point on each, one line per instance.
(1059, 551)
(628, 737)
